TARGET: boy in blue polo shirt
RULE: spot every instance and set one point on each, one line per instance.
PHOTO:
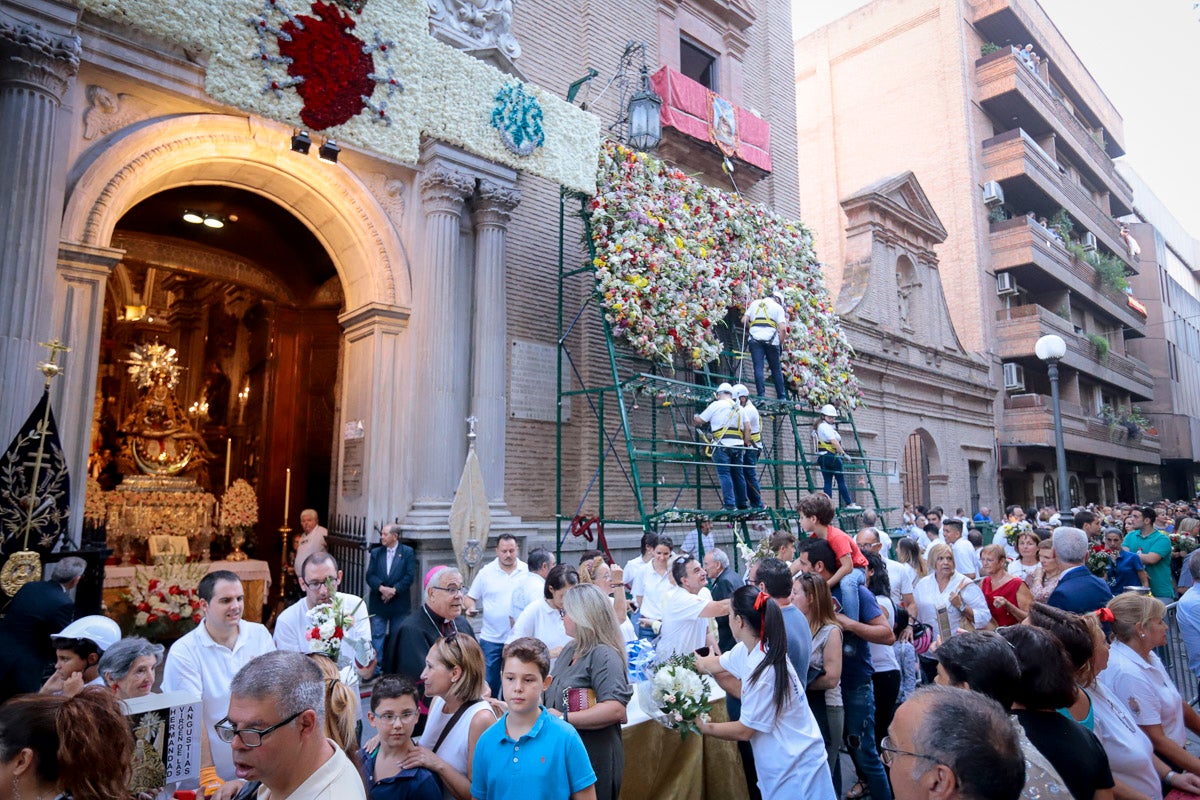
(530, 754)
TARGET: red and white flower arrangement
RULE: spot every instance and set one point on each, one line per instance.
(329, 624)
(164, 602)
(672, 256)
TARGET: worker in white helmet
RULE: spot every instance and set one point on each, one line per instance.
(766, 320)
(752, 439)
(724, 419)
(830, 454)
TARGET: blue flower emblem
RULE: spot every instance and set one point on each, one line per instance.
(518, 118)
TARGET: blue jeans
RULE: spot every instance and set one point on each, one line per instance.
(759, 350)
(847, 590)
(859, 736)
(731, 476)
(831, 467)
(492, 656)
(753, 491)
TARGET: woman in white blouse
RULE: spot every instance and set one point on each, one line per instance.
(543, 619)
(945, 588)
(1027, 555)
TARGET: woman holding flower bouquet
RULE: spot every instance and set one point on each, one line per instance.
(789, 753)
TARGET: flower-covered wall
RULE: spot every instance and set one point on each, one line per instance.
(367, 73)
(673, 255)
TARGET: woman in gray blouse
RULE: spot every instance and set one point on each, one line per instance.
(590, 685)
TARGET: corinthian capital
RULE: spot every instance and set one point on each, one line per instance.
(444, 189)
(30, 54)
(494, 203)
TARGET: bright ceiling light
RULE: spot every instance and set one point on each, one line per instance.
(214, 222)
(192, 217)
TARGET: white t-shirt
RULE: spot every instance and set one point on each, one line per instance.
(751, 419)
(789, 753)
(292, 625)
(724, 417)
(541, 621)
(633, 568)
(883, 657)
(1146, 690)
(690, 543)
(198, 664)
(531, 588)
(763, 309)
(826, 433)
(650, 587)
(1128, 748)
(902, 578)
(964, 557)
(494, 587)
(683, 628)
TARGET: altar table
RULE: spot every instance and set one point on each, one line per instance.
(255, 575)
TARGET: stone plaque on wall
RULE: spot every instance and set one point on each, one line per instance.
(532, 389)
(352, 468)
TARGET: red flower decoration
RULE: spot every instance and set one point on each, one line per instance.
(330, 59)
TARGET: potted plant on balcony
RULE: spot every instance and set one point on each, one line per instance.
(1100, 343)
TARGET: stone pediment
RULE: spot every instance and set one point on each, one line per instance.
(890, 279)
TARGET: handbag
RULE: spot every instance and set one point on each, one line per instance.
(578, 699)
(922, 637)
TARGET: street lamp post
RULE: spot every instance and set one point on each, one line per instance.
(1050, 349)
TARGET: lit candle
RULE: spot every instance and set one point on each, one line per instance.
(287, 496)
(228, 459)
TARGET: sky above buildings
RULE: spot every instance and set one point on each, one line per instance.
(1146, 57)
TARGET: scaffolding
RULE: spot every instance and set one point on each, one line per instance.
(651, 468)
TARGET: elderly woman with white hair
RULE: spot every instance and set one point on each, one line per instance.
(129, 667)
(946, 591)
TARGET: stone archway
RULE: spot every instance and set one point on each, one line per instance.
(248, 154)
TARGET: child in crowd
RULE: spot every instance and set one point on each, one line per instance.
(530, 754)
(394, 714)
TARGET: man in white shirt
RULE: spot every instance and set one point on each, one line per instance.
(494, 586)
(275, 727)
(766, 319)
(692, 541)
(752, 438)
(320, 580)
(312, 538)
(901, 577)
(964, 554)
(686, 613)
(205, 660)
(529, 590)
(724, 420)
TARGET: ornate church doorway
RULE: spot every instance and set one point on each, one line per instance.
(248, 299)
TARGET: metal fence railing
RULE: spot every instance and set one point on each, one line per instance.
(347, 542)
(1175, 658)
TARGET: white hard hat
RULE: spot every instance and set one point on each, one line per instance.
(724, 388)
(828, 410)
(740, 390)
(96, 628)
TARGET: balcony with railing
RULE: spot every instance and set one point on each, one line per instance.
(1028, 421)
(1018, 329)
(1009, 90)
(1037, 259)
(1032, 178)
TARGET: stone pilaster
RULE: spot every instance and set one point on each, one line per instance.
(83, 272)
(373, 463)
(37, 64)
(439, 443)
(494, 204)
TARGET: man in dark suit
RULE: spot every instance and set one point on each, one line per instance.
(440, 615)
(390, 574)
(1078, 590)
(37, 611)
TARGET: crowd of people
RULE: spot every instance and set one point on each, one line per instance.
(942, 664)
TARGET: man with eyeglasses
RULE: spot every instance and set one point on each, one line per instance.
(440, 615)
(276, 731)
(320, 578)
(205, 661)
(948, 743)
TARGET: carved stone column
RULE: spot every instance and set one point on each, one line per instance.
(494, 204)
(439, 443)
(83, 272)
(37, 63)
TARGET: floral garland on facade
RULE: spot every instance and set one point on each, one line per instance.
(672, 255)
(365, 73)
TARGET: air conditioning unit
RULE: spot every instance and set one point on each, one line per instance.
(1089, 242)
(1014, 377)
(993, 195)
(1006, 284)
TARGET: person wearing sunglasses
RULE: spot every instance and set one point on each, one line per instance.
(949, 743)
(276, 729)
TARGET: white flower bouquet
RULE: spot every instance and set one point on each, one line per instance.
(1012, 531)
(676, 695)
(330, 624)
